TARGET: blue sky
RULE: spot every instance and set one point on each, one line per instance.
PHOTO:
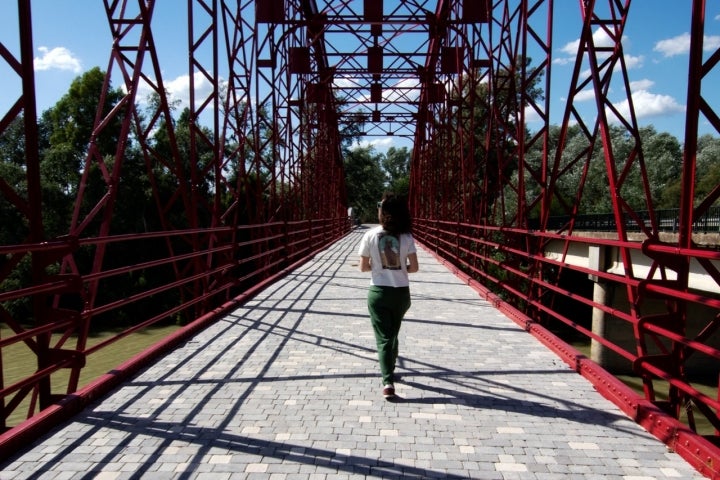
(71, 36)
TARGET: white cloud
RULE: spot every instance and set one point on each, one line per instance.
(646, 103)
(649, 104)
(600, 39)
(711, 42)
(179, 90)
(636, 87)
(674, 46)
(58, 58)
(345, 82)
(405, 90)
(585, 95)
(382, 143)
(563, 60)
(644, 84)
(570, 49)
(631, 61)
(680, 45)
(142, 96)
(531, 115)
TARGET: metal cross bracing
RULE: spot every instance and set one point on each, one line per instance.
(238, 200)
(520, 173)
(255, 184)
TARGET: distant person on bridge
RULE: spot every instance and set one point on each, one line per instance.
(388, 251)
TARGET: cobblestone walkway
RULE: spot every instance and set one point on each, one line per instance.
(288, 387)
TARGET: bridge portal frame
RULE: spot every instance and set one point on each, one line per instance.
(262, 187)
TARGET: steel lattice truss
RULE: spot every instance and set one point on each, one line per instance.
(261, 186)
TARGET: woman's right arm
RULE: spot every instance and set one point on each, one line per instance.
(412, 265)
(365, 264)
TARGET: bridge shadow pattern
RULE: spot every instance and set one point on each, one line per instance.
(288, 386)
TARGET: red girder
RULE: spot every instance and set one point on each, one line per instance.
(254, 183)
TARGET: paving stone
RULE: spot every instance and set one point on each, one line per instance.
(288, 387)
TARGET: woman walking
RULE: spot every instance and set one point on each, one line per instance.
(388, 251)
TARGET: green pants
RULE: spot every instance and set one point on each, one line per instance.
(387, 306)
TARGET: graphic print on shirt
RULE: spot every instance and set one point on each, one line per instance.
(389, 251)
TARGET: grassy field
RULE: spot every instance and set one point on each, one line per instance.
(19, 361)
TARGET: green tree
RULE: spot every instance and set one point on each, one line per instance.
(168, 182)
(493, 115)
(69, 124)
(707, 174)
(66, 130)
(396, 164)
(247, 175)
(64, 133)
(708, 167)
(350, 131)
(12, 173)
(661, 153)
(365, 182)
(663, 158)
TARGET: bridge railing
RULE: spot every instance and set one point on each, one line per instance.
(667, 221)
(647, 343)
(160, 279)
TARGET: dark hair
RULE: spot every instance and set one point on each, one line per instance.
(395, 214)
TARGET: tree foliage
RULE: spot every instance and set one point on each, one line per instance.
(662, 155)
(365, 181)
(396, 164)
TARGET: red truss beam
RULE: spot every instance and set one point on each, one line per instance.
(444, 157)
(26, 199)
(253, 183)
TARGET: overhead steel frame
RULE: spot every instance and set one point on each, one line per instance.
(490, 134)
(488, 115)
(293, 79)
(444, 181)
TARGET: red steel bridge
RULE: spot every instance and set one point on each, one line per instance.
(258, 186)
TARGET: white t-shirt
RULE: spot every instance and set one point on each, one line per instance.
(388, 256)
